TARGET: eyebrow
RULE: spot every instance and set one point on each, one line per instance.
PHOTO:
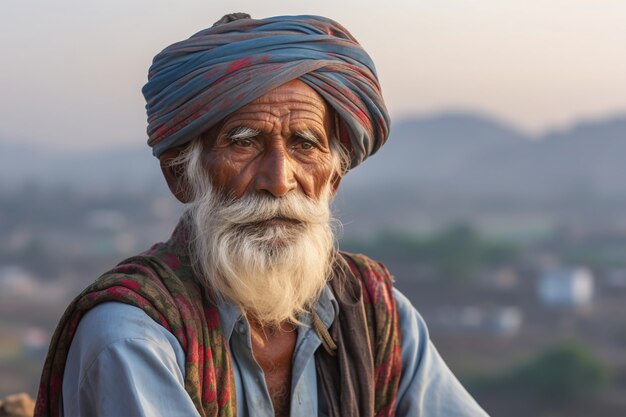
(242, 132)
(245, 132)
(309, 135)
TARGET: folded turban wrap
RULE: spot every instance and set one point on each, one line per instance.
(194, 84)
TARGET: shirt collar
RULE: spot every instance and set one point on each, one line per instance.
(327, 307)
(230, 314)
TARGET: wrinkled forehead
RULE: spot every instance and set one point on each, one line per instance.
(291, 103)
(289, 108)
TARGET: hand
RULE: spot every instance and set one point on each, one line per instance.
(17, 405)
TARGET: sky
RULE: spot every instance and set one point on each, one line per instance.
(72, 71)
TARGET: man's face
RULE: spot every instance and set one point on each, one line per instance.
(277, 144)
(259, 187)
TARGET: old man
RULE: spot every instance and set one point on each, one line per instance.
(249, 309)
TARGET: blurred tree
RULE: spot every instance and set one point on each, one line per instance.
(564, 372)
(457, 253)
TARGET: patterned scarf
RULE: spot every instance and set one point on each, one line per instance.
(361, 377)
(162, 284)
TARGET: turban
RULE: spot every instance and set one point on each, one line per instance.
(195, 83)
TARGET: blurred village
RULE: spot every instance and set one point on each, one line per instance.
(526, 301)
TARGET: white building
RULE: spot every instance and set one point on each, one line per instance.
(568, 287)
(506, 321)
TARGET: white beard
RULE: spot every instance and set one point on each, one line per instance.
(273, 271)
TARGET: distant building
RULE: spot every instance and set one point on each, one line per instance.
(502, 278)
(15, 281)
(106, 220)
(35, 341)
(499, 320)
(616, 278)
(505, 321)
(566, 287)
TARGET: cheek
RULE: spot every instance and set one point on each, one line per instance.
(226, 174)
(318, 177)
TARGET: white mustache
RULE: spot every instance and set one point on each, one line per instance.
(257, 208)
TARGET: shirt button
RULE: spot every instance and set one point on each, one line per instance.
(242, 328)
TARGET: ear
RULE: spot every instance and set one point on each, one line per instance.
(174, 176)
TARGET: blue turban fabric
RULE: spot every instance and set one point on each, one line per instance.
(194, 84)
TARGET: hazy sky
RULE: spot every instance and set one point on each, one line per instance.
(72, 71)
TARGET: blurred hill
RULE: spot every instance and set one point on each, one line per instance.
(466, 151)
(454, 167)
(128, 168)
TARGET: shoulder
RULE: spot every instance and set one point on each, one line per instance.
(413, 329)
(367, 267)
(427, 386)
(115, 326)
(376, 284)
(119, 352)
(375, 279)
(111, 321)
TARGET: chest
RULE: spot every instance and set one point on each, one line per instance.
(252, 392)
(274, 352)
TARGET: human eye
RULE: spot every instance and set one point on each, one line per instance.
(244, 143)
(242, 137)
(306, 141)
(307, 145)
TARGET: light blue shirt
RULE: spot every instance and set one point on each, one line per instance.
(122, 363)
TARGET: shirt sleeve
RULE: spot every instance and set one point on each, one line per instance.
(123, 363)
(427, 386)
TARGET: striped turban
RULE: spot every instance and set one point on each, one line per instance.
(194, 84)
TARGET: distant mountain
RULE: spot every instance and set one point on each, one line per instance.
(127, 168)
(431, 149)
(591, 154)
(478, 155)
(453, 167)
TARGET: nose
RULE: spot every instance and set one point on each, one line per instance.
(275, 174)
